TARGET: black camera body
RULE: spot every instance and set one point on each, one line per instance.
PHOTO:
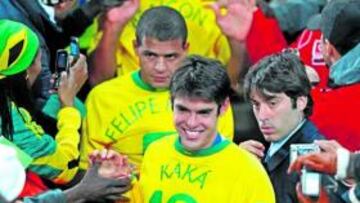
(61, 65)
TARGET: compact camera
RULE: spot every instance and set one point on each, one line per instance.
(310, 180)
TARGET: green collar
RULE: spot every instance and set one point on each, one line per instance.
(202, 152)
(143, 85)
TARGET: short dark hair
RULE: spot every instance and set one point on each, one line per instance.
(283, 72)
(162, 23)
(201, 77)
(340, 24)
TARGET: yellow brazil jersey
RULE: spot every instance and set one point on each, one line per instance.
(126, 114)
(221, 173)
(204, 36)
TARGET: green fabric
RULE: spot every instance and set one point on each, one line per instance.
(203, 152)
(29, 136)
(9, 29)
(52, 106)
(45, 171)
(31, 139)
(151, 137)
(141, 83)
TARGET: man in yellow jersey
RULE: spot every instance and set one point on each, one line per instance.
(200, 165)
(129, 112)
(112, 50)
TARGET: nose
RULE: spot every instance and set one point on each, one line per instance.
(263, 113)
(191, 120)
(160, 65)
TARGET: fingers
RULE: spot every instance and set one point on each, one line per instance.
(63, 79)
(301, 197)
(328, 145)
(297, 165)
(254, 147)
(100, 155)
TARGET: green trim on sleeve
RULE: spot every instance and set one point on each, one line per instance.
(53, 106)
(45, 171)
(203, 152)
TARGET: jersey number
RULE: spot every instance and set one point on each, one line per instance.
(179, 197)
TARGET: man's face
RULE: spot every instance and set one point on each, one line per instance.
(276, 115)
(195, 121)
(159, 60)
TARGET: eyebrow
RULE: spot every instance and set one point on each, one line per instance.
(205, 110)
(149, 52)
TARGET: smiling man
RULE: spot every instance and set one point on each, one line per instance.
(279, 91)
(200, 165)
(131, 111)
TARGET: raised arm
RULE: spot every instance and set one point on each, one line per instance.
(102, 62)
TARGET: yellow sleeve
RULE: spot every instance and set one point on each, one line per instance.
(54, 159)
(258, 188)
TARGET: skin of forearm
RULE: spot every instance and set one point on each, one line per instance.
(74, 195)
(236, 66)
(103, 60)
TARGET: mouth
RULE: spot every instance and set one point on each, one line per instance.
(267, 130)
(160, 79)
(192, 134)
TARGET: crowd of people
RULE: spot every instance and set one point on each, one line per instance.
(149, 111)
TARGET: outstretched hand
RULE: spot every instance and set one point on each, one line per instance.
(120, 15)
(94, 187)
(113, 164)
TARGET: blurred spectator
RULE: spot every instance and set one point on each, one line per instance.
(335, 105)
(54, 159)
(51, 36)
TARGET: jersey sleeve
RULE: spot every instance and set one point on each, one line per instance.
(54, 159)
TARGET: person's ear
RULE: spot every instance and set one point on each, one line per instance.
(330, 52)
(301, 103)
(186, 47)
(224, 106)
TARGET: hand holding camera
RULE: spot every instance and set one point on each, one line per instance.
(71, 80)
(310, 179)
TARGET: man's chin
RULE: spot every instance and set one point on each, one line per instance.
(160, 86)
(270, 138)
